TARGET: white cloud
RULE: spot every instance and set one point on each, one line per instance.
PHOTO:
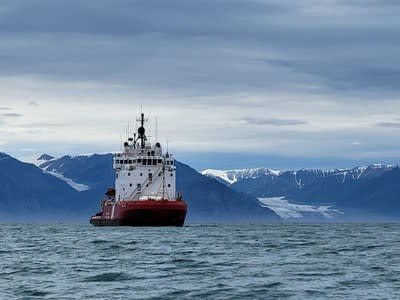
(319, 76)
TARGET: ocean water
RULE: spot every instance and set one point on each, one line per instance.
(294, 261)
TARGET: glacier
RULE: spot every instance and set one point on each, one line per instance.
(80, 187)
(286, 210)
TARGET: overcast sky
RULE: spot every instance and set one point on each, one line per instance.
(281, 84)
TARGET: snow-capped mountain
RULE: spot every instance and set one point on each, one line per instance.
(41, 159)
(48, 164)
(373, 189)
(304, 195)
(299, 177)
(82, 172)
(231, 176)
(29, 193)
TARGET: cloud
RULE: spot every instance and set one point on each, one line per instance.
(11, 115)
(204, 67)
(32, 131)
(388, 124)
(28, 150)
(216, 47)
(5, 108)
(273, 121)
(42, 125)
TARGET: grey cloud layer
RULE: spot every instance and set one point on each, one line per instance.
(11, 115)
(389, 124)
(337, 47)
(292, 73)
(273, 121)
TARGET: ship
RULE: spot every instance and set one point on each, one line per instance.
(145, 186)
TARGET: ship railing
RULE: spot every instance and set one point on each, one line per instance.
(138, 189)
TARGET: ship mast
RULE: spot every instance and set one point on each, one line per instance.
(141, 132)
(164, 191)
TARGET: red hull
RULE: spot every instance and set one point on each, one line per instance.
(142, 213)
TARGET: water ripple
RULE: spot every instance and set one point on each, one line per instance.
(109, 276)
(346, 261)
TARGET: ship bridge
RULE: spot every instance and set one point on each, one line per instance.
(142, 171)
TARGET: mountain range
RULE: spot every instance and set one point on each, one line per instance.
(71, 187)
(362, 193)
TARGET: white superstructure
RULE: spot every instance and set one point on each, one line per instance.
(142, 171)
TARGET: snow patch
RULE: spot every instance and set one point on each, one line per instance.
(344, 177)
(221, 174)
(38, 159)
(89, 155)
(286, 210)
(362, 169)
(77, 186)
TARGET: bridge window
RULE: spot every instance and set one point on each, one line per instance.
(139, 160)
(149, 162)
(130, 161)
(154, 162)
(159, 161)
(144, 162)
